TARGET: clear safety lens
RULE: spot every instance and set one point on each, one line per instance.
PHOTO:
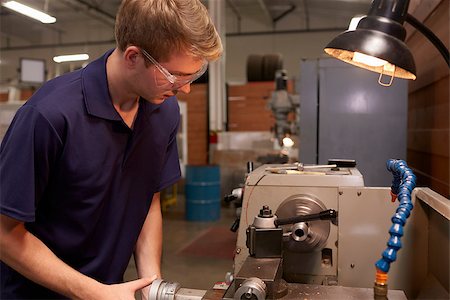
(174, 82)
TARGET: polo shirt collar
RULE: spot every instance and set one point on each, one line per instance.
(95, 88)
(96, 93)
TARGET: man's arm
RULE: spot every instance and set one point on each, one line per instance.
(149, 245)
(29, 256)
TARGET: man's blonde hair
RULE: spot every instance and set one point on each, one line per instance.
(163, 27)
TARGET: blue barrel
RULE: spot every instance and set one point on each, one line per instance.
(202, 190)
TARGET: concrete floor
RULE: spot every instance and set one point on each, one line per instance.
(190, 271)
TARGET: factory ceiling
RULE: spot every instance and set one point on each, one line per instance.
(90, 22)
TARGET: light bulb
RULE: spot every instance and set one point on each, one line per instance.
(368, 60)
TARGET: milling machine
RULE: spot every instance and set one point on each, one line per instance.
(282, 104)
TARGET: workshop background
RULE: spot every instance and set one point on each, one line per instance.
(229, 118)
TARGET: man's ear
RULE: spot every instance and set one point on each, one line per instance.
(131, 56)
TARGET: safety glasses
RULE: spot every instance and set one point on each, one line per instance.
(171, 81)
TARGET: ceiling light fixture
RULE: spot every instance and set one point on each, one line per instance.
(72, 57)
(377, 43)
(29, 12)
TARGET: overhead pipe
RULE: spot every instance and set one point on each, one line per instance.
(265, 9)
(58, 45)
(305, 8)
(285, 13)
(236, 12)
(92, 11)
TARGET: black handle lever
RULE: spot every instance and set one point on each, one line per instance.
(328, 214)
(235, 226)
(229, 198)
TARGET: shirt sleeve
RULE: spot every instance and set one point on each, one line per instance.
(27, 154)
(171, 171)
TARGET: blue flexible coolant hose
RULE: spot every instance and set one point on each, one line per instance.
(402, 185)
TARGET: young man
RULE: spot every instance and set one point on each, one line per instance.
(83, 161)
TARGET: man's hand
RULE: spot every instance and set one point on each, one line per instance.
(146, 289)
(127, 290)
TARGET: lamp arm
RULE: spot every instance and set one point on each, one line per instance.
(430, 36)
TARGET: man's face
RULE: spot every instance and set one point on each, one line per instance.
(165, 79)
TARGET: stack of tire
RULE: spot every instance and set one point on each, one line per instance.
(263, 67)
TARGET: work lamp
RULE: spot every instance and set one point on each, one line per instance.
(377, 44)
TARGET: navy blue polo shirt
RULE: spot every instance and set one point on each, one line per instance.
(80, 178)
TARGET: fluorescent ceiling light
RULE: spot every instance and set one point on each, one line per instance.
(29, 12)
(72, 57)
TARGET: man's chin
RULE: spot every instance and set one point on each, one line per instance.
(158, 100)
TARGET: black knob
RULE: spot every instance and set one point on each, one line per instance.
(265, 212)
(235, 226)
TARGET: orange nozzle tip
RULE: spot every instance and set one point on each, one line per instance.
(381, 277)
(393, 197)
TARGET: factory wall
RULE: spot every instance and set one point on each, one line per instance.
(9, 70)
(292, 46)
(428, 110)
(197, 125)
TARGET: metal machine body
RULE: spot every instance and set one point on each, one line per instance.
(289, 195)
(322, 252)
(330, 258)
(295, 291)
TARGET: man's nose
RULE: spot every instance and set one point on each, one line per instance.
(186, 89)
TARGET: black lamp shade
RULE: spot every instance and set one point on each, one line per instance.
(377, 44)
(381, 35)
